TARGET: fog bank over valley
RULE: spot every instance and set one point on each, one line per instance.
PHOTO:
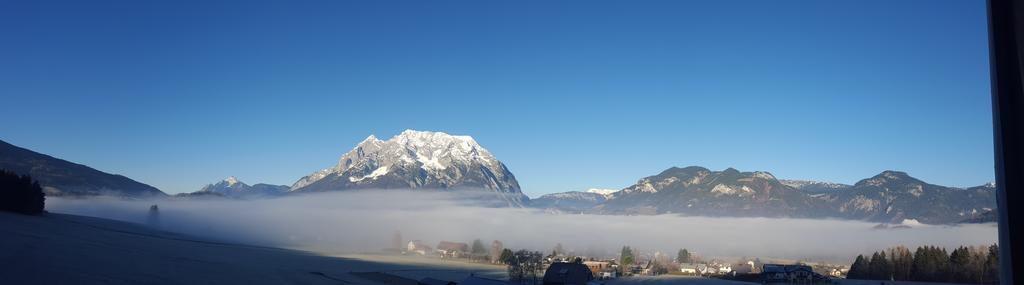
(365, 221)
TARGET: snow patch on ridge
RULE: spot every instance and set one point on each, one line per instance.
(231, 180)
(380, 171)
(604, 192)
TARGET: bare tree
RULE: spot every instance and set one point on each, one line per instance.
(524, 266)
(496, 249)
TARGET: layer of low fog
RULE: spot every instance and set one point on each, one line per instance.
(365, 221)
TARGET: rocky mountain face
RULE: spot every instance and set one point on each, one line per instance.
(888, 197)
(986, 217)
(417, 160)
(63, 178)
(894, 196)
(699, 191)
(231, 187)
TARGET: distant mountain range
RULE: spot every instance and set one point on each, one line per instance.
(572, 201)
(890, 197)
(417, 160)
(438, 161)
(233, 188)
(64, 178)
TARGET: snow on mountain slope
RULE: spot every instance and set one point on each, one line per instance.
(814, 186)
(603, 192)
(416, 159)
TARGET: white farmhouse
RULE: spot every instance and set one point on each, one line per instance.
(688, 268)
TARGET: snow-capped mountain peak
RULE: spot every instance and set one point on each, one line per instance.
(434, 151)
(603, 192)
(228, 184)
(231, 181)
(370, 140)
(232, 187)
(414, 159)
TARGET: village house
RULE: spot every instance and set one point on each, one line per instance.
(688, 269)
(724, 268)
(449, 249)
(795, 273)
(743, 268)
(633, 269)
(417, 247)
(647, 268)
(708, 270)
(600, 268)
(702, 268)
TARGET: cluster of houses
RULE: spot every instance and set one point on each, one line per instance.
(797, 273)
(716, 268)
(446, 249)
(790, 273)
(606, 269)
(835, 271)
(603, 269)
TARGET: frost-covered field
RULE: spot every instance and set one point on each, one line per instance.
(67, 249)
(673, 279)
(60, 248)
(877, 282)
(418, 267)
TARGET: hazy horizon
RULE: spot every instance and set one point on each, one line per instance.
(364, 221)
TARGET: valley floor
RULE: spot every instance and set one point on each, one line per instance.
(673, 279)
(62, 249)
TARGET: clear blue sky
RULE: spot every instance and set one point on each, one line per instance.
(569, 94)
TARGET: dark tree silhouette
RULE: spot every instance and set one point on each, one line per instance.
(506, 256)
(859, 269)
(901, 260)
(478, 248)
(991, 265)
(153, 219)
(683, 256)
(524, 265)
(977, 265)
(20, 194)
(879, 267)
(627, 258)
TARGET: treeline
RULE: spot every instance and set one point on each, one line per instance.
(18, 193)
(930, 264)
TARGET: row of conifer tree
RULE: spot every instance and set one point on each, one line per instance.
(978, 265)
(18, 193)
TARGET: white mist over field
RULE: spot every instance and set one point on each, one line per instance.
(365, 221)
